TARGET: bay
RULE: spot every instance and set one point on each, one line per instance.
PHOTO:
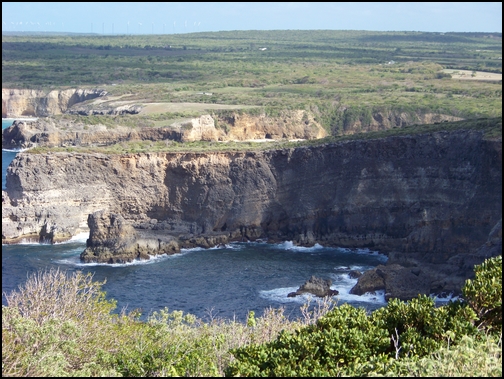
(222, 282)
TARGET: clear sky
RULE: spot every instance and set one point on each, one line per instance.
(182, 17)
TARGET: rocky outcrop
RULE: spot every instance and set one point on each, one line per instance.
(350, 122)
(50, 132)
(197, 129)
(397, 281)
(424, 198)
(315, 286)
(38, 103)
(296, 124)
(102, 110)
(354, 274)
(113, 240)
(406, 276)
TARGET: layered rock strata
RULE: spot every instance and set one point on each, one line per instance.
(426, 198)
(38, 103)
(62, 133)
(113, 240)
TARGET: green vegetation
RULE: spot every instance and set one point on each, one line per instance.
(491, 128)
(59, 325)
(340, 76)
(346, 341)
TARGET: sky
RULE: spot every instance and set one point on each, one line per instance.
(188, 17)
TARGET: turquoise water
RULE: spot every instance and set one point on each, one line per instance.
(226, 281)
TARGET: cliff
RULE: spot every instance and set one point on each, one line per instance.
(388, 120)
(295, 124)
(51, 133)
(434, 193)
(428, 199)
(38, 103)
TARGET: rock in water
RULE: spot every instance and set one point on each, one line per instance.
(354, 274)
(113, 240)
(316, 286)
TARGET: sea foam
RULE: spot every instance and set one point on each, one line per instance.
(341, 282)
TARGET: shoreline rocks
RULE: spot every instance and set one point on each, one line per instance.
(315, 286)
(405, 277)
(113, 240)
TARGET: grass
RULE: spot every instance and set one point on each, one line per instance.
(333, 70)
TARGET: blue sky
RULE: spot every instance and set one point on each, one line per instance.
(183, 17)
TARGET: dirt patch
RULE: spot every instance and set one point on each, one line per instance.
(473, 75)
(150, 108)
(106, 99)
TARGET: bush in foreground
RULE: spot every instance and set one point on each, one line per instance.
(59, 325)
(348, 342)
(62, 325)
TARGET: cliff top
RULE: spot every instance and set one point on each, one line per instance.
(491, 127)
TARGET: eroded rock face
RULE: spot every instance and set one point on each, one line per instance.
(113, 240)
(198, 129)
(96, 109)
(408, 275)
(50, 132)
(296, 124)
(429, 197)
(394, 119)
(38, 103)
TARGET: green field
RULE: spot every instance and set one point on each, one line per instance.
(333, 74)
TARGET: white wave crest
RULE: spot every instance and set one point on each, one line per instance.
(341, 282)
(78, 238)
(20, 119)
(279, 295)
(137, 262)
(289, 245)
(14, 150)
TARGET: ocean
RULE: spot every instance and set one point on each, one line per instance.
(222, 282)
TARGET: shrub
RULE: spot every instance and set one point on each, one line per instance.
(343, 335)
(52, 295)
(346, 341)
(417, 327)
(51, 325)
(484, 294)
(473, 357)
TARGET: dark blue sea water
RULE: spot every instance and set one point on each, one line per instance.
(229, 281)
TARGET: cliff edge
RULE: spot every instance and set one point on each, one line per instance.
(425, 199)
(38, 103)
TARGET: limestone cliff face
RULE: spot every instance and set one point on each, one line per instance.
(433, 195)
(47, 132)
(197, 129)
(38, 103)
(391, 119)
(113, 240)
(297, 124)
(51, 133)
